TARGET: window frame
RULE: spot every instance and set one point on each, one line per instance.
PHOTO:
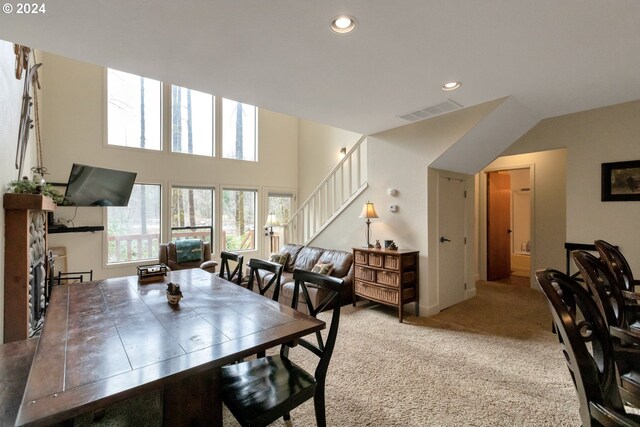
(105, 116)
(257, 215)
(105, 234)
(214, 222)
(167, 94)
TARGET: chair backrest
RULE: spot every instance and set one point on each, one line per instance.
(617, 263)
(255, 265)
(592, 370)
(603, 287)
(321, 348)
(234, 275)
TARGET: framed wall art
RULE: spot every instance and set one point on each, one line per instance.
(621, 181)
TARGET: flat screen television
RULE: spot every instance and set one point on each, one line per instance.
(94, 186)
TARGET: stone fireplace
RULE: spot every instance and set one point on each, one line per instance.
(24, 263)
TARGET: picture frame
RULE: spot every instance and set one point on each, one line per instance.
(621, 181)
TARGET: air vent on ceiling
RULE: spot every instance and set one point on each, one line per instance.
(432, 111)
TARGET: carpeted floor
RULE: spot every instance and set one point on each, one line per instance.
(490, 361)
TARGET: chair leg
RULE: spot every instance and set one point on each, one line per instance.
(261, 354)
(318, 403)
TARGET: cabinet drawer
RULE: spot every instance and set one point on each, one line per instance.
(375, 292)
(375, 260)
(365, 273)
(361, 257)
(392, 262)
(392, 278)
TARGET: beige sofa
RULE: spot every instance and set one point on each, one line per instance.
(304, 258)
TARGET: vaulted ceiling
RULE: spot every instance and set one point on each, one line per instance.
(552, 56)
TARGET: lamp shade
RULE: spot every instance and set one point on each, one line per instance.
(368, 211)
(272, 221)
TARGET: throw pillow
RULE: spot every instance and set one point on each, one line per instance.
(325, 269)
(279, 258)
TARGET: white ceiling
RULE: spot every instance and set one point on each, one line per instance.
(553, 56)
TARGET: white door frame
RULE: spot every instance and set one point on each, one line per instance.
(482, 218)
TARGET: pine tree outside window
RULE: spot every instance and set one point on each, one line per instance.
(239, 131)
(191, 122)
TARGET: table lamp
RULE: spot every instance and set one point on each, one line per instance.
(272, 221)
(368, 211)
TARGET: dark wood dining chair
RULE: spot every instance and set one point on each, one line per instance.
(620, 269)
(586, 346)
(259, 271)
(234, 275)
(258, 392)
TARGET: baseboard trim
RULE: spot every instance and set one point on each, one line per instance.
(429, 311)
(470, 293)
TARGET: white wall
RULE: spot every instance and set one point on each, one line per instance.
(593, 137)
(74, 127)
(318, 153)
(399, 159)
(10, 103)
(548, 230)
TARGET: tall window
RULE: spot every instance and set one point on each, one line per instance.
(191, 121)
(192, 213)
(239, 219)
(133, 232)
(238, 130)
(133, 112)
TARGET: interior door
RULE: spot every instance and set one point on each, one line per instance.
(451, 241)
(498, 226)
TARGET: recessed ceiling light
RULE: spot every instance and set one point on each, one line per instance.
(449, 86)
(343, 24)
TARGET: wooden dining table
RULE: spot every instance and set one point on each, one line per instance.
(108, 340)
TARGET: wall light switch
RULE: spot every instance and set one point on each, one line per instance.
(393, 208)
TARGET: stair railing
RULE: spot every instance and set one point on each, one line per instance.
(341, 186)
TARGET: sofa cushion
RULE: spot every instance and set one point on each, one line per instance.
(325, 269)
(279, 258)
(293, 251)
(307, 258)
(341, 260)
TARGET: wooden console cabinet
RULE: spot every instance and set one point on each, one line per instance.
(386, 276)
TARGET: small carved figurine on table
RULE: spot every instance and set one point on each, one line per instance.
(378, 245)
(393, 247)
(174, 294)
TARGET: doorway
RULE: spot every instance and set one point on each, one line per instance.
(508, 223)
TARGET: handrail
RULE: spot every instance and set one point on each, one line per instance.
(329, 175)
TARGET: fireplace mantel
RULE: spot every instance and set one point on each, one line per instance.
(20, 210)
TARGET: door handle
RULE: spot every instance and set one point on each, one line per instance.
(509, 231)
(444, 239)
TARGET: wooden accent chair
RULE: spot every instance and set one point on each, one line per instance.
(592, 367)
(234, 275)
(168, 256)
(260, 391)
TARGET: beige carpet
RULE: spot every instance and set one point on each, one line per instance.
(490, 361)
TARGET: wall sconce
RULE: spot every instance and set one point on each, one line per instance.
(272, 221)
(343, 152)
(368, 211)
